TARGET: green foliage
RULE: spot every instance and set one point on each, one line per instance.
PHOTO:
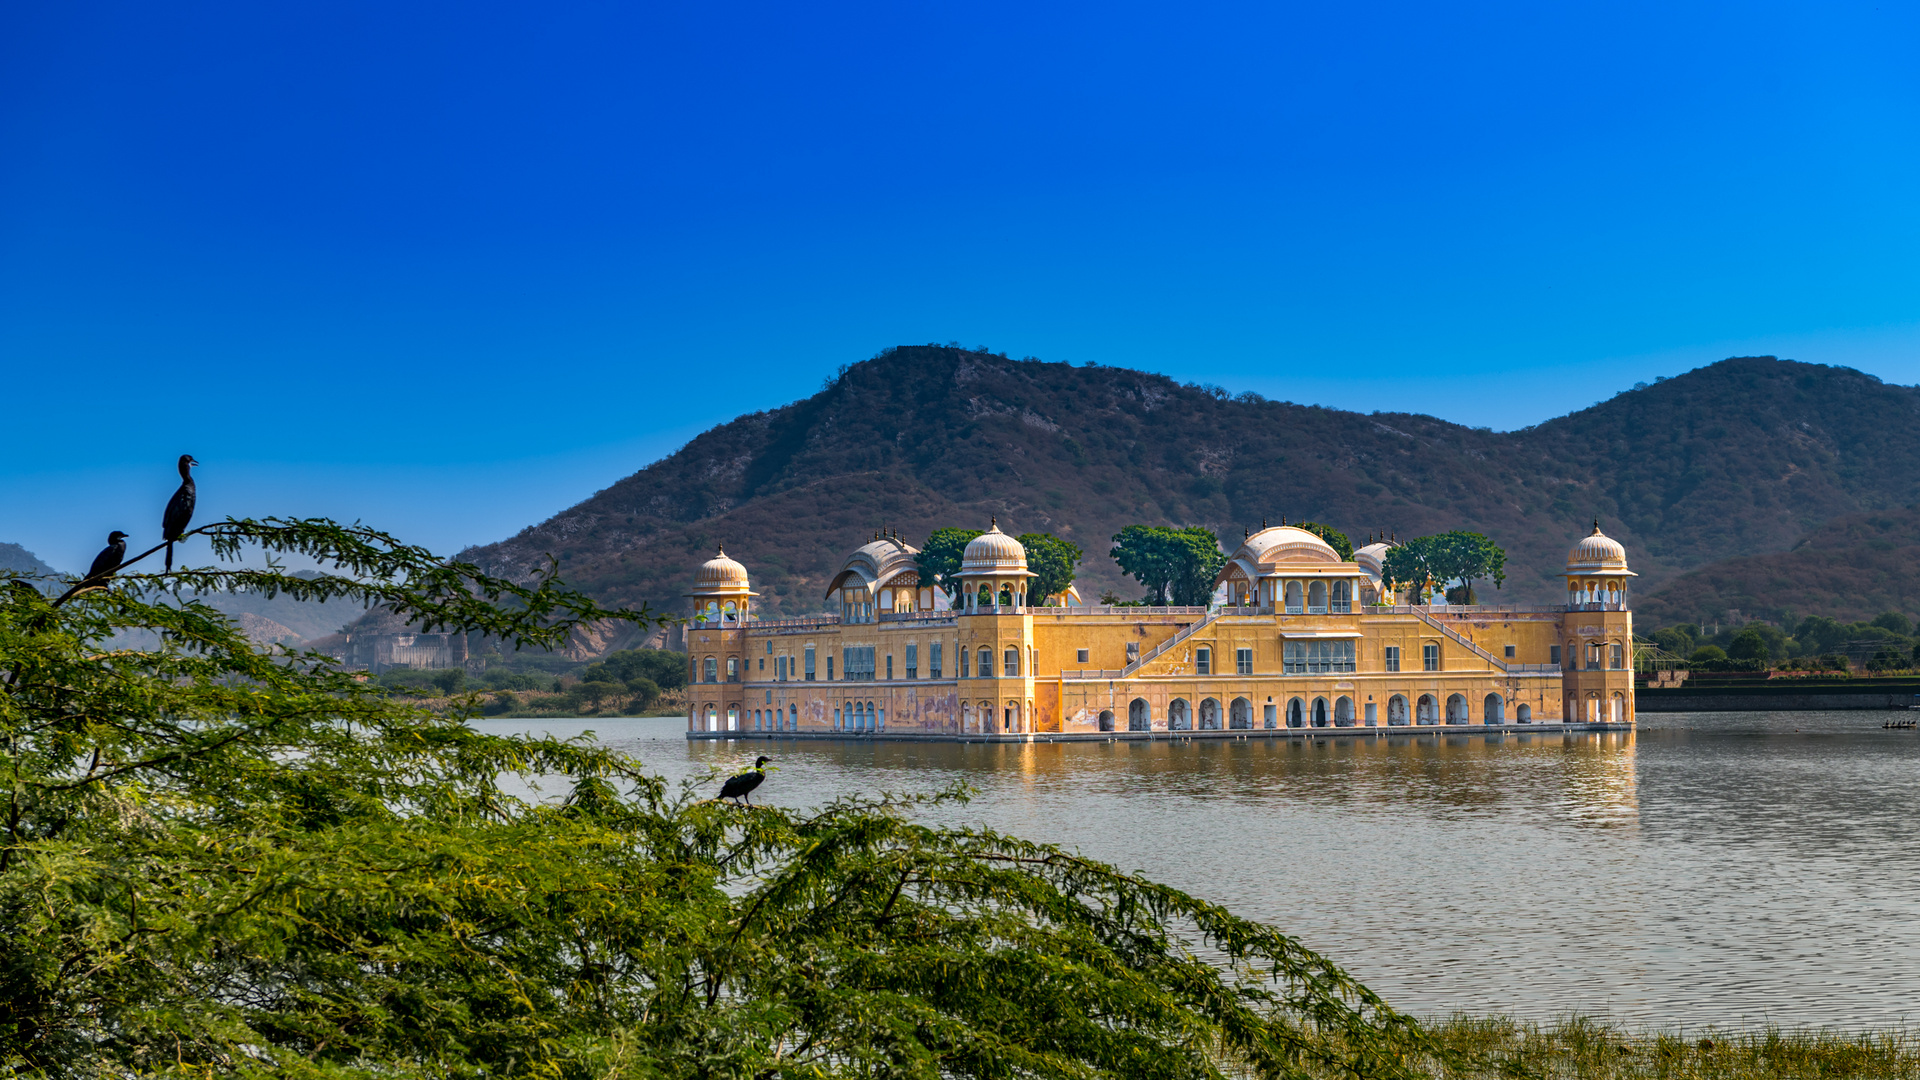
(589, 696)
(1674, 639)
(664, 668)
(220, 859)
(1707, 653)
(1894, 622)
(939, 558)
(1337, 540)
(1496, 1048)
(1748, 645)
(1425, 563)
(1054, 561)
(1176, 565)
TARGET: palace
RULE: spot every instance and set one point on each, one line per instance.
(1302, 640)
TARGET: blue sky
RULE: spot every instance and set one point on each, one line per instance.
(452, 267)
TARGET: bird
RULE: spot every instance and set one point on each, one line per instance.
(173, 524)
(739, 787)
(110, 557)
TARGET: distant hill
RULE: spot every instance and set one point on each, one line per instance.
(1851, 569)
(15, 557)
(1747, 455)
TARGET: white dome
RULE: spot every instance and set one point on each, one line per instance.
(1596, 552)
(720, 575)
(994, 552)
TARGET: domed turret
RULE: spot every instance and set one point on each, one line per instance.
(720, 590)
(1596, 552)
(993, 571)
(1597, 571)
(721, 572)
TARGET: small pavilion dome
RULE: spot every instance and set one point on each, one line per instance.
(720, 574)
(994, 553)
(1597, 553)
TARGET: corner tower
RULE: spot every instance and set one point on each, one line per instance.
(716, 644)
(996, 634)
(1597, 633)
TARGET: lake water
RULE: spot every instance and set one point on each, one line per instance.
(1731, 868)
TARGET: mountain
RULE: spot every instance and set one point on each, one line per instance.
(1851, 569)
(14, 557)
(1742, 457)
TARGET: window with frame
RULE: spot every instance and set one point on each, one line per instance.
(1294, 661)
(1080, 656)
(856, 663)
(1328, 657)
(964, 654)
(1617, 656)
(1013, 663)
(1509, 652)
(733, 669)
(913, 661)
(1243, 661)
(1203, 661)
(986, 663)
(1342, 598)
(1593, 656)
(889, 666)
(1430, 656)
(933, 660)
(710, 670)
(1393, 658)
(829, 667)
(1553, 655)
(809, 664)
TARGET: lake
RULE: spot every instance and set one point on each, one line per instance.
(1728, 868)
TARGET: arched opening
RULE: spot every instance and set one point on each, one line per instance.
(1397, 711)
(1317, 598)
(1494, 710)
(1270, 719)
(1294, 604)
(1296, 713)
(1342, 597)
(985, 599)
(1106, 719)
(1523, 714)
(1456, 709)
(1139, 715)
(1426, 710)
(1209, 714)
(733, 718)
(1343, 712)
(713, 719)
(1240, 714)
(1319, 712)
(1179, 715)
(1013, 662)
(793, 718)
(1006, 596)
(986, 663)
(1619, 708)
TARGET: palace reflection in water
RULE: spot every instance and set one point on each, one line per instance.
(1718, 869)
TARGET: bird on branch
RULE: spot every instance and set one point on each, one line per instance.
(110, 557)
(173, 524)
(739, 787)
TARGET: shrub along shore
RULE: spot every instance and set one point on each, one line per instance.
(1588, 1049)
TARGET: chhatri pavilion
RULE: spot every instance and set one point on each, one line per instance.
(1298, 640)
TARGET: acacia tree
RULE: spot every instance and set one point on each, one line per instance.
(227, 859)
(1340, 542)
(1174, 564)
(1429, 562)
(1053, 562)
(940, 557)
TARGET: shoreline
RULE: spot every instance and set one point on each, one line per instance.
(1230, 735)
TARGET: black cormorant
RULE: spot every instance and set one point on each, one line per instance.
(110, 557)
(741, 786)
(173, 524)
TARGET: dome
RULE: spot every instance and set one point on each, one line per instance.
(720, 575)
(1287, 544)
(1597, 553)
(994, 552)
(883, 563)
(1373, 559)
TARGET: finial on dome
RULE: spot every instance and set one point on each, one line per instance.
(993, 523)
(1283, 519)
(720, 549)
(1596, 526)
(1245, 533)
(1263, 524)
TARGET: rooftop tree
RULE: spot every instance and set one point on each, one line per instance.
(1176, 565)
(1053, 561)
(939, 558)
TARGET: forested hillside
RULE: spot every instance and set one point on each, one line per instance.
(1742, 457)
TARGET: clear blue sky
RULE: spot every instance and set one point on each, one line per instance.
(451, 267)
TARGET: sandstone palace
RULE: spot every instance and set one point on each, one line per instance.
(1302, 641)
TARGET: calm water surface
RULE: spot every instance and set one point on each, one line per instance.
(1711, 868)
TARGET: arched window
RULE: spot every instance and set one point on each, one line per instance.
(1209, 714)
(1296, 713)
(1343, 712)
(1396, 711)
(986, 595)
(1139, 715)
(1013, 662)
(733, 669)
(1006, 596)
(1616, 656)
(1317, 598)
(1179, 715)
(710, 670)
(1494, 709)
(1456, 709)
(1523, 714)
(1106, 719)
(986, 663)
(1203, 661)
(1294, 604)
(1319, 712)
(1342, 597)
(1240, 714)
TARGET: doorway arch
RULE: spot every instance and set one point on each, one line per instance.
(1139, 715)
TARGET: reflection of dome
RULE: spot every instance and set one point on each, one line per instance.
(720, 575)
(1595, 553)
(994, 552)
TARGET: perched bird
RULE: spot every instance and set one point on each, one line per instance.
(110, 557)
(173, 524)
(741, 786)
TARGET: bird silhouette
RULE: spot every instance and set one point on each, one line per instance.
(739, 787)
(110, 557)
(173, 524)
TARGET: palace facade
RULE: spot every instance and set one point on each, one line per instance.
(1303, 640)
